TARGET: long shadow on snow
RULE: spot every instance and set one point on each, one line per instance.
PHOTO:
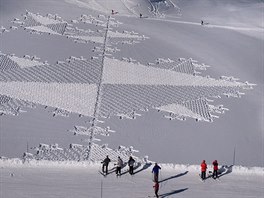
(136, 167)
(146, 166)
(224, 170)
(175, 176)
(173, 192)
(113, 170)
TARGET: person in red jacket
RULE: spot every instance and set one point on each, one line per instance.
(215, 164)
(203, 169)
(156, 188)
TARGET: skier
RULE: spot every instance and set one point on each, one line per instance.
(156, 188)
(119, 166)
(130, 163)
(155, 171)
(202, 22)
(105, 165)
(113, 12)
(215, 164)
(203, 169)
(140, 15)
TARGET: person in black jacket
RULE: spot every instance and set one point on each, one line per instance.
(131, 163)
(155, 171)
(105, 165)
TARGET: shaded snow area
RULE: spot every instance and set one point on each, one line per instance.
(77, 179)
(167, 81)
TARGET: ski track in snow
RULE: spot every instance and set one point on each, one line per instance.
(260, 30)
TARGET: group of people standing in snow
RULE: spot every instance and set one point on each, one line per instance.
(119, 164)
(204, 168)
(155, 170)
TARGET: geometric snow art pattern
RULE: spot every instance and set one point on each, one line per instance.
(53, 24)
(116, 88)
(74, 153)
(104, 86)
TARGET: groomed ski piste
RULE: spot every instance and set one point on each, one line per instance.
(82, 79)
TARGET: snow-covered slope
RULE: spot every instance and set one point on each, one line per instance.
(124, 66)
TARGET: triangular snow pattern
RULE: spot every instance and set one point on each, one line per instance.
(78, 98)
(197, 109)
(70, 71)
(121, 72)
(48, 24)
(126, 86)
(124, 98)
(41, 28)
(4, 99)
(45, 20)
(24, 62)
(10, 106)
(74, 70)
(57, 26)
(6, 63)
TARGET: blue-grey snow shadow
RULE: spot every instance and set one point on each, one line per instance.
(146, 166)
(135, 167)
(224, 170)
(173, 192)
(175, 176)
(113, 170)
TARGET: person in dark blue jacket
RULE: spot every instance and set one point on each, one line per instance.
(155, 171)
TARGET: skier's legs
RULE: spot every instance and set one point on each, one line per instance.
(156, 177)
(103, 168)
(130, 170)
(118, 171)
(215, 175)
(156, 193)
(106, 169)
(203, 175)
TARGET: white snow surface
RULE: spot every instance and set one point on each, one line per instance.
(230, 41)
(65, 96)
(231, 45)
(81, 179)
